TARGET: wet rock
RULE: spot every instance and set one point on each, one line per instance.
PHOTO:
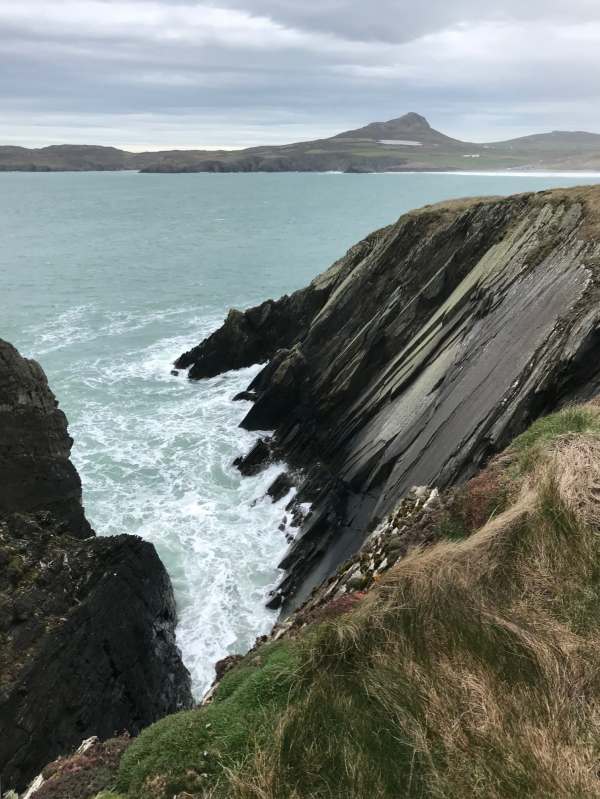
(275, 601)
(257, 459)
(280, 487)
(87, 625)
(35, 468)
(245, 396)
(283, 388)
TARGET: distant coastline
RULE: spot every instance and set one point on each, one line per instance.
(584, 174)
(378, 147)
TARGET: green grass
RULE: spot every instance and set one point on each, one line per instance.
(189, 750)
(470, 670)
(453, 527)
(467, 673)
(571, 420)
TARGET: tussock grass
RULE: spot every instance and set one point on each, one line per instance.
(471, 670)
(531, 444)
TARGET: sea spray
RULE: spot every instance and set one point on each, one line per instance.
(155, 455)
(107, 277)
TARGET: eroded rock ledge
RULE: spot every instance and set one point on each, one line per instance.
(87, 624)
(418, 355)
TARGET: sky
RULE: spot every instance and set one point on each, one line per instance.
(152, 74)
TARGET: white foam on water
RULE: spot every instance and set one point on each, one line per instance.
(66, 328)
(507, 173)
(155, 456)
(83, 323)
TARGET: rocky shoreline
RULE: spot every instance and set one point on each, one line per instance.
(416, 357)
(87, 624)
(389, 382)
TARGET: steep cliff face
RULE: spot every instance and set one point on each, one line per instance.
(434, 342)
(35, 470)
(256, 335)
(87, 644)
(455, 657)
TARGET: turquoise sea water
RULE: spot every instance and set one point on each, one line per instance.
(106, 277)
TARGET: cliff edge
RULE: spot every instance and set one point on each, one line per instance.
(418, 355)
(87, 625)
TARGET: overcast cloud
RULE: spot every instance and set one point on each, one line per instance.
(170, 73)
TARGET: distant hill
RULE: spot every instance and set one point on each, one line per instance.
(407, 143)
(410, 127)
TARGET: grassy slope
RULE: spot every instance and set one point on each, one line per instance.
(470, 670)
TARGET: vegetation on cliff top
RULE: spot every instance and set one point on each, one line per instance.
(469, 670)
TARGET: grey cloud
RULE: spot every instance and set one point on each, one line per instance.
(132, 72)
(405, 20)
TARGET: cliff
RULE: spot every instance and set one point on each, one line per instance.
(416, 357)
(35, 470)
(451, 650)
(87, 643)
(461, 662)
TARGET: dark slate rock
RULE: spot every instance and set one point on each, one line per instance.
(432, 344)
(87, 625)
(245, 396)
(280, 487)
(35, 470)
(257, 459)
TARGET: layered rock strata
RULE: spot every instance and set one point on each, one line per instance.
(418, 355)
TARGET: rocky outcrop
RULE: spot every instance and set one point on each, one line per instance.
(35, 470)
(87, 643)
(92, 769)
(423, 517)
(256, 335)
(438, 339)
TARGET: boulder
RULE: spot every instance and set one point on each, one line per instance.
(257, 459)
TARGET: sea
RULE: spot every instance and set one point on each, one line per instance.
(105, 278)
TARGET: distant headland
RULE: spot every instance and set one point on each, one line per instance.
(405, 144)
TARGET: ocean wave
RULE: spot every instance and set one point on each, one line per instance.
(155, 455)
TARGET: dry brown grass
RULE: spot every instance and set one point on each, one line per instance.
(473, 670)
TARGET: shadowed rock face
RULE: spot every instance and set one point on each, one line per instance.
(35, 470)
(436, 341)
(87, 642)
